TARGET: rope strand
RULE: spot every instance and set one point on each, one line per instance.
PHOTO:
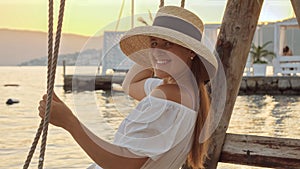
(182, 3)
(50, 89)
(50, 39)
(52, 62)
(162, 2)
(34, 144)
(50, 52)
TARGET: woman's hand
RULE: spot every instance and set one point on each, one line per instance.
(95, 147)
(61, 115)
(135, 78)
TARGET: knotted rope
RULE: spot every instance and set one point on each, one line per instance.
(182, 3)
(52, 63)
(162, 3)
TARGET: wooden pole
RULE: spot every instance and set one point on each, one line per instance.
(296, 7)
(233, 45)
(261, 151)
(64, 68)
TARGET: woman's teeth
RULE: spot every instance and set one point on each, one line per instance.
(162, 61)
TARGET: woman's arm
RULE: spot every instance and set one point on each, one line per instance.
(133, 83)
(106, 155)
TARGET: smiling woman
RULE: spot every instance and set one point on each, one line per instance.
(165, 127)
(167, 57)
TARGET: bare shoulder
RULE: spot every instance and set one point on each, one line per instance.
(172, 92)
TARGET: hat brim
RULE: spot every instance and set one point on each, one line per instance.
(136, 40)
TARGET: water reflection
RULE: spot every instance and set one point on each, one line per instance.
(266, 116)
(275, 116)
(262, 115)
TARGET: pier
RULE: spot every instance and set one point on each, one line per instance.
(90, 82)
(272, 85)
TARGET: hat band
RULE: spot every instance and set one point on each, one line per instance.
(178, 25)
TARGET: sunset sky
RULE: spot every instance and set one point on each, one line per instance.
(86, 17)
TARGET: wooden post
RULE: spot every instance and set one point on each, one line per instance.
(277, 32)
(64, 68)
(296, 7)
(261, 151)
(233, 45)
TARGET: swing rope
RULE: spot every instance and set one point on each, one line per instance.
(182, 3)
(52, 63)
(162, 3)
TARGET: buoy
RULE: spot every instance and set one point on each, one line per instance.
(12, 101)
(11, 85)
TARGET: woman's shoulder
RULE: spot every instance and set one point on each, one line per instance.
(173, 93)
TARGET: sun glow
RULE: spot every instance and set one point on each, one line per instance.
(86, 17)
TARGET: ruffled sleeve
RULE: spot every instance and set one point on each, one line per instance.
(155, 127)
(150, 84)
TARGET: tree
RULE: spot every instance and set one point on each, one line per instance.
(259, 53)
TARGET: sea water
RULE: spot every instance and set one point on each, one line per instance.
(102, 112)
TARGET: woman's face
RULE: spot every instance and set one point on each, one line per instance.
(169, 59)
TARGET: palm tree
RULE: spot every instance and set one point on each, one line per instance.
(258, 53)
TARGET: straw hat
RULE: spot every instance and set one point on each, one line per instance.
(174, 24)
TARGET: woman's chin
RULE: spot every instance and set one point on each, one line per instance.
(161, 74)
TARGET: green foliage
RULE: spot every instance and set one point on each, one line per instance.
(259, 53)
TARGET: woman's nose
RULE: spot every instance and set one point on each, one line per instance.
(158, 51)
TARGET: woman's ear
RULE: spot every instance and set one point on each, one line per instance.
(192, 54)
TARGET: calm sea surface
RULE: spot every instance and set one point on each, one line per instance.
(276, 116)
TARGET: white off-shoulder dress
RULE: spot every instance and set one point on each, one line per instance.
(159, 129)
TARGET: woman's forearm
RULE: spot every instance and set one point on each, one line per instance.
(136, 74)
(106, 155)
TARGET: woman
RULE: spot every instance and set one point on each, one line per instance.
(286, 51)
(164, 128)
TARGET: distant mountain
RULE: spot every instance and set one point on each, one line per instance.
(89, 57)
(18, 46)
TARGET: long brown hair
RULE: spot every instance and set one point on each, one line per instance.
(198, 153)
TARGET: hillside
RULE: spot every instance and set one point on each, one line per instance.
(18, 46)
(89, 57)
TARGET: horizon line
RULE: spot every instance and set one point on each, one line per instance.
(40, 31)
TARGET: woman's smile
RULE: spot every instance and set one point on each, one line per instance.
(162, 61)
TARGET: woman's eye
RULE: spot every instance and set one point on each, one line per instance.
(168, 44)
(153, 44)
